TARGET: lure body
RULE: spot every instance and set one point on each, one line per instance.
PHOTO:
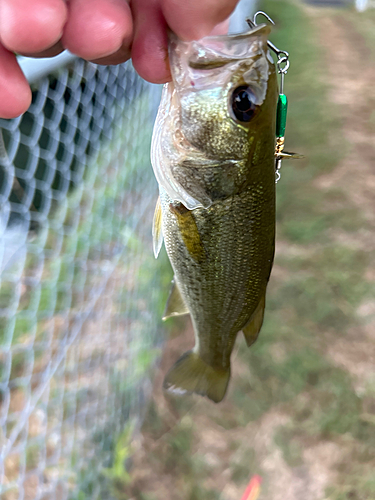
(213, 155)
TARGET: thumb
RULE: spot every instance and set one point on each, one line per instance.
(193, 19)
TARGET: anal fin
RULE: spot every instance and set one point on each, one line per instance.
(175, 304)
(252, 328)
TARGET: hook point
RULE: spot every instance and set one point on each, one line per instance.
(260, 12)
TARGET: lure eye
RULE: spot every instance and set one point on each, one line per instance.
(242, 103)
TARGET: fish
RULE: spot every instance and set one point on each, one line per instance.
(212, 153)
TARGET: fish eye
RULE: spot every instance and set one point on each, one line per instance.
(242, 103)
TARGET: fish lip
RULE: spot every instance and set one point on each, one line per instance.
(203, 46)
(264, 29)
(194, 64)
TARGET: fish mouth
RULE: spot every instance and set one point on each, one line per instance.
(197, 65)
(212, 60)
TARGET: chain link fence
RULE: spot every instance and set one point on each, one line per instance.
(80, 293)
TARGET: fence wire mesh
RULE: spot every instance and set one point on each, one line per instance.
(79, 287)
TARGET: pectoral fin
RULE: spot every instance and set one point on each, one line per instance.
(157, 232)
(189, 231)
(252, 328)
(175, 303)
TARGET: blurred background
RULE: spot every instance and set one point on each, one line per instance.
(82, 349)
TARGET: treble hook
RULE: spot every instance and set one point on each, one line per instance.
(285, 59)
(282, 68)
(282, 55)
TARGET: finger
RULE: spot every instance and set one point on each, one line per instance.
(221, 29)
(51, 52)
(122, 55)
(14, 90)
(150, 44)
(31, 27)
(99, 28)
(194, 19)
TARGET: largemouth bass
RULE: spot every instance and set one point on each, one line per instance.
(213, 156)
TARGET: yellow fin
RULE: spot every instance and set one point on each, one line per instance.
(175, 303)
(252, 328)
(189, 231)
(191, 374)
(157, 232)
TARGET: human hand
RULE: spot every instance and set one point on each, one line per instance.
(102, 31)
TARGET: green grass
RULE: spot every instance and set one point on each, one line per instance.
(292, 450)
(363, 23)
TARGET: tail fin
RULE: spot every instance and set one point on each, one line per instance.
(191, 374)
